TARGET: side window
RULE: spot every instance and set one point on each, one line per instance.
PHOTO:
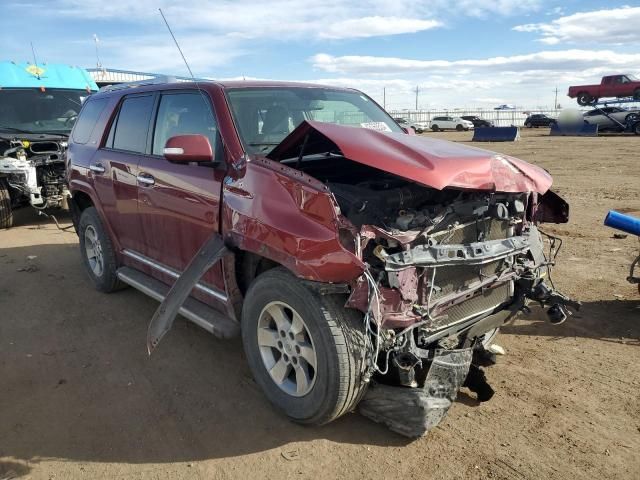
(129, 130)
(87, 120)
(180, 114)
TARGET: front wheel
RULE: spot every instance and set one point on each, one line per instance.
(434, 128)
(304, 349)
(636, 94)
(459, 128)
(6, 212)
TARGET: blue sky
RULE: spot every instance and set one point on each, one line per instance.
(461, 53)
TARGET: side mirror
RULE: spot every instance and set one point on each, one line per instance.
(188, 148)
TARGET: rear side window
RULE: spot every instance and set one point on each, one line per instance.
(129, 131)
(87, 120)
(182, 114)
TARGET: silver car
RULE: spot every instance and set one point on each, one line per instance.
(597, 117)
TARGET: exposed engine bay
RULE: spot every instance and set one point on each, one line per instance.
(444, 268)
(34, 169)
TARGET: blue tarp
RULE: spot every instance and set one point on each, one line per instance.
(47, 75)
(574, 129)
(495, 134)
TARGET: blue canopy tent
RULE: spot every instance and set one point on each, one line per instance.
(45, 75)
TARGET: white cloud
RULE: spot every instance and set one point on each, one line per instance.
(376, 26)
(555, 61)
(615, 26)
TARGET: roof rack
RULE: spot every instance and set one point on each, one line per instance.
(160, 79)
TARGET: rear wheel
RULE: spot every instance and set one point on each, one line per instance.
(305, 349)
(636, 129)
(97, 252)
(6, 212)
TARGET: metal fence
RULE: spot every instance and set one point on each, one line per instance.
(500, 118)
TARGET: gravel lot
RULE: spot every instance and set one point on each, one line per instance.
(80, 398)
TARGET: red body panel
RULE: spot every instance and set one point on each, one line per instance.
(431, 162)
(272, 213)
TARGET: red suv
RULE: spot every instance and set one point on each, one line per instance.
(351, 253)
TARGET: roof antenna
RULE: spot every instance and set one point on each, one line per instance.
(35, 61)
(187, 64)
(98, 62)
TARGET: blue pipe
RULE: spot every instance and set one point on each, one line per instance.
(626, 223)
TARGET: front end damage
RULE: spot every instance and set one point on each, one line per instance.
(443, 269)
(34, 169)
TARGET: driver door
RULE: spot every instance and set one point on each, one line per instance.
(179, 204)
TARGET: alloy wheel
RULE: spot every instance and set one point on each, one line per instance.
(93, 250)
(287, 349)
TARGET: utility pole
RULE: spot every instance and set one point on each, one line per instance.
(384, 97)
(555, 102)
(417, 90)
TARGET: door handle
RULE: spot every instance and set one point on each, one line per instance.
(145, 179)
(96, 168)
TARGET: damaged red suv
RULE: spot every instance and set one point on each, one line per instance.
(360, 263)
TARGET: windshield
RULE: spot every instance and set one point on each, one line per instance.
(30, 110)
(264, 116)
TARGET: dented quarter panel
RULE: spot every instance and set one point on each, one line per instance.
(283, 215)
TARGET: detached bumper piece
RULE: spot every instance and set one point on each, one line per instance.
(412, 412)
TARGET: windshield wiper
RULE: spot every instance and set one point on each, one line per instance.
(31, 132)
(264, 145)
(14, 129)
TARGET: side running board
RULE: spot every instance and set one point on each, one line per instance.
(199, 313)
(207, 256)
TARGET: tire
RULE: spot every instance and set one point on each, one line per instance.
(6, 212)
(334, 334)
(636, 129)
(459, 128)
(636, 94)
(102, 267)
(528, 124)
(434, 128)
(584, 99)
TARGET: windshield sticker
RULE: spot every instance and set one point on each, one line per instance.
(379, 126)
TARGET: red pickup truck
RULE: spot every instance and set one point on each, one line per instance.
(611, 86)
(346, 251)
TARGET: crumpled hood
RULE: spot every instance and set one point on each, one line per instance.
(431, 162)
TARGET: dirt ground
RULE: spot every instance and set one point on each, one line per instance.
(80, 398)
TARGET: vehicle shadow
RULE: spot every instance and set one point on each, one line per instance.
(78, 383)
(616, 321)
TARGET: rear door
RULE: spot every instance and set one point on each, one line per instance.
(115, 167)
(179, 204)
